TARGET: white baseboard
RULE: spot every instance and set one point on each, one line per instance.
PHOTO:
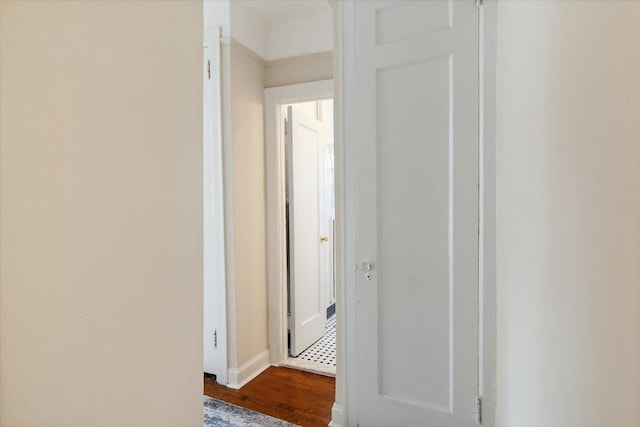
(238, 377)
(338, 416)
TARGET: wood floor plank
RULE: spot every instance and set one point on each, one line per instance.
(299, 397)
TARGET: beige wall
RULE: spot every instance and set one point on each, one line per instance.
(101, 201)
(301, 69)
(568, 191)
(229, 228)
(249, 206)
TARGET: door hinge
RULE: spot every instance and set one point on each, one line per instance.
(286, 127)
(478, 410)
(479, 3)
(209, 69)
(215, 339)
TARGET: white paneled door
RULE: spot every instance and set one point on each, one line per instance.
(305, 169)
(417, 140)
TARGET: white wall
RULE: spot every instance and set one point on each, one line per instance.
(217, 13)
(301, 35)
(249, 29)
(279, 31)
(101, 214)
(568, 190)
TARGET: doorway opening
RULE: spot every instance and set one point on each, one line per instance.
(275, 55)
(300, 226)
(310, 236)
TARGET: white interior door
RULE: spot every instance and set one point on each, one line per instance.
(417, 137)
(305, 148)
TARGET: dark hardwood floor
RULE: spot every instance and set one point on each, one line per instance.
(298, 397)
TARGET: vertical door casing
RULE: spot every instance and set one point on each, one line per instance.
(417, 138)
(214, 272)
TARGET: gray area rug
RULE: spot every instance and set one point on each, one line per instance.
(221, 414)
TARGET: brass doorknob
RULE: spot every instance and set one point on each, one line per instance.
(324, 239)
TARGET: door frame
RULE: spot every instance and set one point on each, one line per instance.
(276, 166)
(214, 273)
(345, 410)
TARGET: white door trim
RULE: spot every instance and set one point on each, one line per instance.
(276, 225)
(345, 409)
(487, 339)
(214, 283)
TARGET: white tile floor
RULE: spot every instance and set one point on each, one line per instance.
(324, 350)
(321, 356)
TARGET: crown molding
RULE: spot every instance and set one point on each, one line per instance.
(300, 58)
